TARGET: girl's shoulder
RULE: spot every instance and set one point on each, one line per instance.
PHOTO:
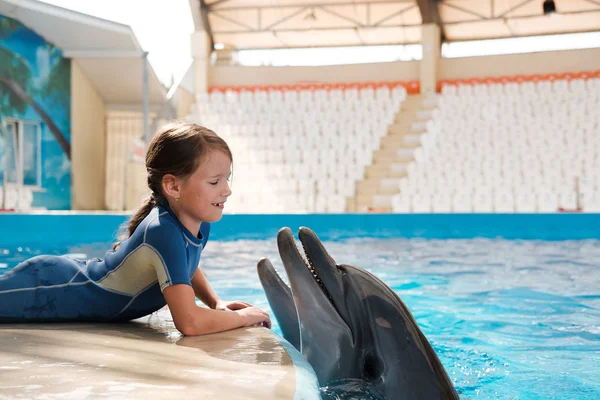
(158, 223)
(160, 220)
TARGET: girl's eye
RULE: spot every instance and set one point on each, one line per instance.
(213, 183)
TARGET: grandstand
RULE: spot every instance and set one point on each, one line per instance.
(300, 149)
(526, 145)
(505, 133)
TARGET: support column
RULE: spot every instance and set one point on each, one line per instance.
(201, 52)
(145, 97)
(431, 41)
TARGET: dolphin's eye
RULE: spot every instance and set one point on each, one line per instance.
(372, 369)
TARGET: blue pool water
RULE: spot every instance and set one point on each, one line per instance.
(509, 319)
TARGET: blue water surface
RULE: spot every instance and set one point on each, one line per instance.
(509, 319)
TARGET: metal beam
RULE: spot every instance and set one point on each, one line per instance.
(360, 39)
(372, 44)
(233, 21)
(529, 16)
(596, 2)
(204, 9)
(387, 18)
(466, 11)
(333, 28)
(216, 3)
(297, 10)
(516, 7)
(287, 17)
(298, 5)
(340, 16)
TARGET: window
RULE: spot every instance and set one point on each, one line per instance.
(531, 44)
(330, 55)
(9, 154)
(21, 152)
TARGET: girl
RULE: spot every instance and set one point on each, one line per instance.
(157, 262)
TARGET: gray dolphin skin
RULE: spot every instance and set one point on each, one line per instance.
(352, 328)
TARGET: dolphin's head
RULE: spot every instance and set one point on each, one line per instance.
(349, 324)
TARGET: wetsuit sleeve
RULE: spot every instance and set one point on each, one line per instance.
(169, 245)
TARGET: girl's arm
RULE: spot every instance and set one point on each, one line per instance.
(192, 320)
(203, 290)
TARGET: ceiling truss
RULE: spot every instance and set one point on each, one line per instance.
(294, 10)
(237, 20)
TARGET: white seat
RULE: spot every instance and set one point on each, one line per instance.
(547, 202)
(441, 203)
(504, 202)
(401, 204)
(482, 202)
(567, 200)
(590, 201)
(421, 203)
(336, 204)
(525, 202)
(462, 203)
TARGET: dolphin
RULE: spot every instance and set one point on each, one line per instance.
(356, 333)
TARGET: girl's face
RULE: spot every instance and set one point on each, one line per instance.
(204, 193)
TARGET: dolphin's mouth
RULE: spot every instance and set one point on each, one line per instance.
(332, 269)
(315, 283)
(311, 267)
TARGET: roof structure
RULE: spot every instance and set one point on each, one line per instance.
(107, 52)
(263, 24)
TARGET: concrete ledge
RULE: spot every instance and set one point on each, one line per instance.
(148, 359)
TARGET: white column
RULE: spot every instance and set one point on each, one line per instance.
(430, 39)
(201, 53)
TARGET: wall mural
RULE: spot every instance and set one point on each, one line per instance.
(35, 105)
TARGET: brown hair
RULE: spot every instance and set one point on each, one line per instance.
(177, 149)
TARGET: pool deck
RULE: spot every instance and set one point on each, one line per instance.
(148, 358)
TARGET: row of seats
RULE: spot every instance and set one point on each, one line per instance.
(295, 116)
(529, 147)
(305, 149)
(502, 201)
(350, 169)
(559, 87)
(308, 96)
(291, 203)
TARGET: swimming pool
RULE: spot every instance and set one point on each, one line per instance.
(509, 319)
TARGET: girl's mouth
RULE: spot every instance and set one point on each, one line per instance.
(219, 205)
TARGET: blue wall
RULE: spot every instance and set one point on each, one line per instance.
(31, 65)
(75, 229)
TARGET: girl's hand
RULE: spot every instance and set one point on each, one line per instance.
(231, 305)
(253, 317)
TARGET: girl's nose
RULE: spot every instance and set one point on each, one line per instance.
(227, 192)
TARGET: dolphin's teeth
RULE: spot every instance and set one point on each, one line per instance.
(311, 268)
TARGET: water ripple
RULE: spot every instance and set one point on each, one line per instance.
(509, 319)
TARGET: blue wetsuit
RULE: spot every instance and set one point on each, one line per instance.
(126, 284)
